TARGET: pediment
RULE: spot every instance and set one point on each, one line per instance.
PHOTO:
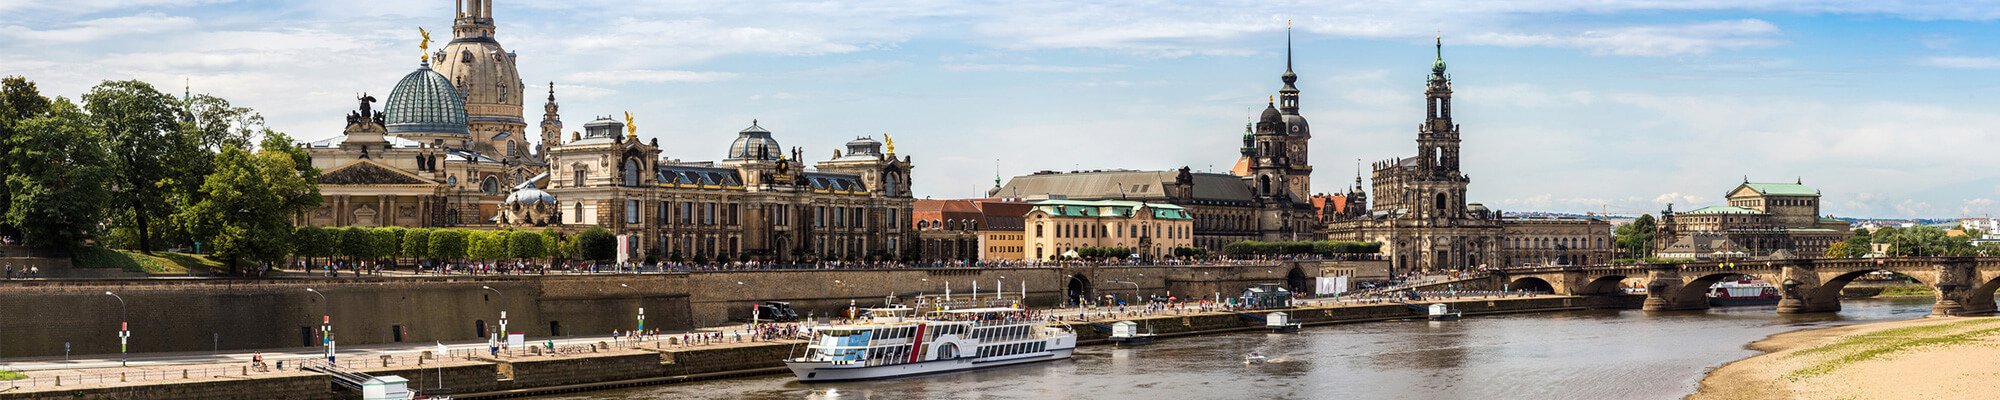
(369, 172)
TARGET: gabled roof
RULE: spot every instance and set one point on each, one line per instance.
(369, 172)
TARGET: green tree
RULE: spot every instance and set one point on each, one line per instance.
(355, 242)
(385, 243)
(1636, 238)
(417, 244)
(556, 245)
(19, 101)
(59, 176)
(1859, 245)
(448, 244)
(525, 245)
(314, 242)
(246, 206)
(487, 245)
(600, 244)
(152, 155)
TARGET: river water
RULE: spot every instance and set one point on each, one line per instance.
(1595, 354)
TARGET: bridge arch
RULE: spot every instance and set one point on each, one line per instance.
(1980, 300)
(1695, 291)
(1077, 289)
(1829, 289)
(1603, 285)
(1297, 281)
(1531, 284)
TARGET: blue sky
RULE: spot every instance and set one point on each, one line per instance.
(1622, 105)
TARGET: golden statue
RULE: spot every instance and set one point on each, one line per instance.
(891, 143)
(424, 45)
(631, 129)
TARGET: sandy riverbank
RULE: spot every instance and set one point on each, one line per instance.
(1931, 358)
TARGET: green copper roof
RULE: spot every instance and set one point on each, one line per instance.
(425, 102)
(1723, 210)
(1782, 189)
(1109, 208)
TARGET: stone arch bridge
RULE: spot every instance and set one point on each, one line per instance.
(1963, 285)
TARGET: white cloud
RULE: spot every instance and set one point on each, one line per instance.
(646, 76)
(97, 29)
(1650, 41)
(1977, 207)
(1961, 62)
(1914, 208)
(1034, 68)
(1687, 201)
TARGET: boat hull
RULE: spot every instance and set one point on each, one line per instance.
(1737, 302)
(812, 371)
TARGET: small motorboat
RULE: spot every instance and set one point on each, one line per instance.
(1126, 333)
(1443, 312)
(1254, 358)
(1280, 322)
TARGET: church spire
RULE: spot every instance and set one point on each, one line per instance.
(1290, 94)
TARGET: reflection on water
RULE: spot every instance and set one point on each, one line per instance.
(1577, 354)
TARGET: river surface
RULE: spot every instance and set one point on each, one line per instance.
(1595, 354)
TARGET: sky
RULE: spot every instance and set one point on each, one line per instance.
(1617, 106)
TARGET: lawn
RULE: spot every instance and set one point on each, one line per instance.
(6, 375)
(157, 263)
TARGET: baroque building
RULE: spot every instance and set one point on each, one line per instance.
(1264, 197)
(1425, 222)
(1058, 228)
(449, 149)
(1761, 220)
(757, 203)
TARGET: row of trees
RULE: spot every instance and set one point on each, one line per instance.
(1918, 241)
(448, 244)
(1301, 247)
(133, 167)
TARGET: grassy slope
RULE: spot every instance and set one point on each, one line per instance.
(157, 263)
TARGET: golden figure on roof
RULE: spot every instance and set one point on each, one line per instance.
(631, 129)
(891, 142)
(424, 45)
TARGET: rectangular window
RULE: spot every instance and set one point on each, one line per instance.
(632, 212)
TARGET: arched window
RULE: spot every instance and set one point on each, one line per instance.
(489, 185)
(631, 172)
(1038, 233)
(1441, 201)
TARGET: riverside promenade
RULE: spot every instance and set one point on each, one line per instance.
(470, 370)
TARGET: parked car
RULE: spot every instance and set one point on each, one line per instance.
(776, 311)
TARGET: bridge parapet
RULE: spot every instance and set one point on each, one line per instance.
(1964, 285)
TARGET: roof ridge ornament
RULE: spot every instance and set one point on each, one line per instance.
(424, 46)
(631, 129)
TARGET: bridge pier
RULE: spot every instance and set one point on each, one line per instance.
(1661, 296)
(1948, 304)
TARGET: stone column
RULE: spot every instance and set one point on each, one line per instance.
(1664, 283)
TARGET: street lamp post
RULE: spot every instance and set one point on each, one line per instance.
(1135, 289)
(124, 327)
(325, 324)
(503, 313)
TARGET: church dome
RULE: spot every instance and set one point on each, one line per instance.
(754, 143)
(530, 195)
(1296, 125)
(424, 102)
(1271, 116)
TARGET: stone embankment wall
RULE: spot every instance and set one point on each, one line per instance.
(181, 315)
(538, 375)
